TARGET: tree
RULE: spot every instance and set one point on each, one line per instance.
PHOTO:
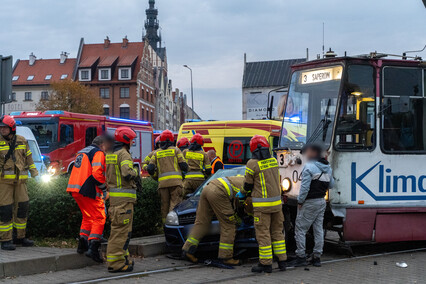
(71, 96)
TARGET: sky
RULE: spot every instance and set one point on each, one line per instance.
(211, 36)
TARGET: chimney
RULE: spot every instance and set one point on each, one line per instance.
(63, 58)
(32, 59)
(106, 42)
(125, 42)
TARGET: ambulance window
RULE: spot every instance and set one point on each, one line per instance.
(236, 150)
(403, 110)
(356, 125)
(91, 133)
(67, 134)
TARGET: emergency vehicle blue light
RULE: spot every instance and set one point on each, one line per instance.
(54, 112)
(18, 122)
(16, 113)
(129, 120)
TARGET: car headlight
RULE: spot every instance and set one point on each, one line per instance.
(51, 170)
(172, 219)
(286, 184)
(46, 178)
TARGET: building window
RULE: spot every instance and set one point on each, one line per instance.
(106, 111)
(44, 96)
(28, 96)
(147, 114)
(48, 77)
(124, 93)
(124, 112)
(124, 73)
(15, 78)
(13, 98)
(84, 75)
(105, 74)
(104, 93)
(64, 76)
(30, 78)
(403, 110)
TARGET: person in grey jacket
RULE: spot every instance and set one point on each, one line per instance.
(316, 180)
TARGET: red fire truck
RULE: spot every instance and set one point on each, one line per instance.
(62, 134)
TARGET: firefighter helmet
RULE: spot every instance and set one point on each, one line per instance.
(7, 120)
(198, 138)
(258, 141)
(124, 134)
(183, 142)
(166, 135)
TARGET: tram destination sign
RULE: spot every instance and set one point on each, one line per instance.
(321, 75)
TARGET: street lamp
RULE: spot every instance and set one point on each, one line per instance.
(192, 91)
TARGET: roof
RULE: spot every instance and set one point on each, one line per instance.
(115, 52)
(40, 69)
(268, 73)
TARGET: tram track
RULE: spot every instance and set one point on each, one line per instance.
(236, 277)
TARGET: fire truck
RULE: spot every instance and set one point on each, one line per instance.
(62, 134)
(369, 112)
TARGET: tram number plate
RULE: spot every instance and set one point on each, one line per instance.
(281, 159)
(296, 176)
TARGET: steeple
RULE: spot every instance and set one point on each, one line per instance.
(152, 25)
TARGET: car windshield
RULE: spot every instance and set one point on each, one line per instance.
(219, 174)
(310, 106)
(45, 132)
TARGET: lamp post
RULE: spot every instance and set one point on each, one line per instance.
(192, 91)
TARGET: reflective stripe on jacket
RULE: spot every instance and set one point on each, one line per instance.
(167, 166)
(198, 164)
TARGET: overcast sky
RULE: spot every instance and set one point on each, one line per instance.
(211, 36)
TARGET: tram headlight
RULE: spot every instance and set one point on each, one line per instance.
(172, 219)
(286, 184)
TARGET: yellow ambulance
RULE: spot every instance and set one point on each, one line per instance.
(230, 139)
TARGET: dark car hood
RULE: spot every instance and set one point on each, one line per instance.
(187, 206)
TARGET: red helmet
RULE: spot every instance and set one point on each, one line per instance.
(182, 142)
(166, 135)
(198, 138)
(7, 120)
(258, 141)
(124, 134)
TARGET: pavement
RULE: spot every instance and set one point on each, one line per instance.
(380, 268)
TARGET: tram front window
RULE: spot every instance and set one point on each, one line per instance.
(311, 106)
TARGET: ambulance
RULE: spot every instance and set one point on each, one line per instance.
(230, 139)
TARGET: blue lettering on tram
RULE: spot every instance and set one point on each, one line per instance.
(390, 187)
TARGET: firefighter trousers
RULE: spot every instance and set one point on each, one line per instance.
(170, 197)
(213, 202)
(14, 203)
(94, 217)
(190, 185)
(270, 236)
(121, 217)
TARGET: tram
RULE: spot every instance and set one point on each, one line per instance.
(369, 112)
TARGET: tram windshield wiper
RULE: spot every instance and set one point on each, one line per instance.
(322, 127)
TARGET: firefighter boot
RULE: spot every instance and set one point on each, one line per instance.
(93, 251)
(190, 254)
(231, 262)
(24, 242)
(282, 265)
(83, 246)
(8, 245)
(262, 268)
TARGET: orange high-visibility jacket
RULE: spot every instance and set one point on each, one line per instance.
(88, 173)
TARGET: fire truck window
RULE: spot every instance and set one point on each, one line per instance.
(91, 133)
(403, 110)
(67, 134)
(356, 119)
(236, 150)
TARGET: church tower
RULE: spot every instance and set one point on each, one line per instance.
(151, 26)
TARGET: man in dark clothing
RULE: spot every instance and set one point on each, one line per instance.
(316, 180)
(215, 161)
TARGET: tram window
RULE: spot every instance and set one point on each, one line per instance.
(356, 120)
(403, 110)
(91, 133)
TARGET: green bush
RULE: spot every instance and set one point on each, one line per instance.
(54, 213)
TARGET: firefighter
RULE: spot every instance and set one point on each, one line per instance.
(215, 161)
(15, 163)
(168, 163)
(121, 178)
(148, 158)
(183, 144)
(262, 182)
(87, 185)
(217, 198)
(198, 163)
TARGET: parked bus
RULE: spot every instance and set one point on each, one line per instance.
(230, 139)
(60, 135)
(369, 112)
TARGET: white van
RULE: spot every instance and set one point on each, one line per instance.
(32, 142)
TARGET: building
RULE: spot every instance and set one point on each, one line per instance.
(31, 80)
(259, 79)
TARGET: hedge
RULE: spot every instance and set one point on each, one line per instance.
(54, 213)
